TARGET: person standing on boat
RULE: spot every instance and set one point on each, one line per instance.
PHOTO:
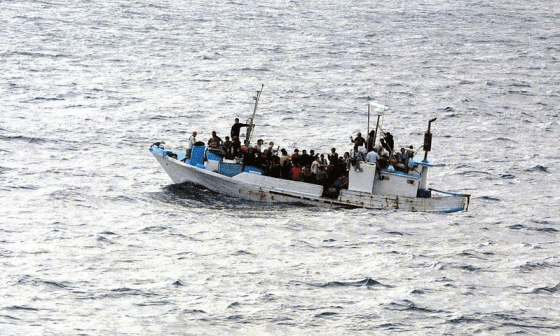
(236, 127)
(370, 140)
(333, 157)
(305, 159)
(296, 158)
(390, 142)
(235, 146)
(359, 141)
(190, 145)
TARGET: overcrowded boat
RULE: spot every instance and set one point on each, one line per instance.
(372, 175)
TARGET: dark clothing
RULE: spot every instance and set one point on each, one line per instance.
(390, 142)
(370, 141)
(296, 162)
(236, 145)
(333, 159)
(215, 141)
(305, 160)
(227, 148)
(359, 141)
(235, 129)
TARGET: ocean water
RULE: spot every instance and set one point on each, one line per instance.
(95, 240)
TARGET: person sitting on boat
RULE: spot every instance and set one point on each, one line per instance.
(260, 148)
(271, 148)
(360, 156)
(315, 166)
(322, 160)
(245, 146)
(284, 156)
(347, 160)
(228, 147)
(215, 141)
(409, 155)
(285, 166)
(190, 145)
(372, 156)
(236, 127)
(359, 141)
(333, 157)
(274, 165)
(385, 150)
(399, 162)
(307, 176)
(382, 155)
(250, 157)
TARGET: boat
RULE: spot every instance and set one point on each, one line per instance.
(373, 186)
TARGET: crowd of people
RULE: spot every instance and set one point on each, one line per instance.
(308, 167)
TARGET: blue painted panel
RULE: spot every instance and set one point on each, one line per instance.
(157, 150)
(230, 169)
(197, 155)
(212, 157)
(252, 169)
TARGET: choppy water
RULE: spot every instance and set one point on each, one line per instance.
(95, 240)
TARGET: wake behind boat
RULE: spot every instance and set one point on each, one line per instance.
(372, 176)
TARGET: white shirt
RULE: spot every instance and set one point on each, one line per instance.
(315, 167)
(191, 142)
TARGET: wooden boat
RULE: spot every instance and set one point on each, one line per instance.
(371, 187)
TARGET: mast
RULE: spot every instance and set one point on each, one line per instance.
(367, 120)
(251, 121)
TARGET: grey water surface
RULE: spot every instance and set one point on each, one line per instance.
(95, 240)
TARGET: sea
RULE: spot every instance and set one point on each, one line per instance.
(95, 239)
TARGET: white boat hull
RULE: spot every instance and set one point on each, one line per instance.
(269, 189)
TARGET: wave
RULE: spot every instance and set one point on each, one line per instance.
(22, 308)
(409, 305)
(464, 319)
(489, 198)
(538, 168)
(326, 314)
(23, 138)
(104, 240)
(532, 266)
(125, 291)
(549, 290)
(178, 283)
(469, 268)
(368, 282)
